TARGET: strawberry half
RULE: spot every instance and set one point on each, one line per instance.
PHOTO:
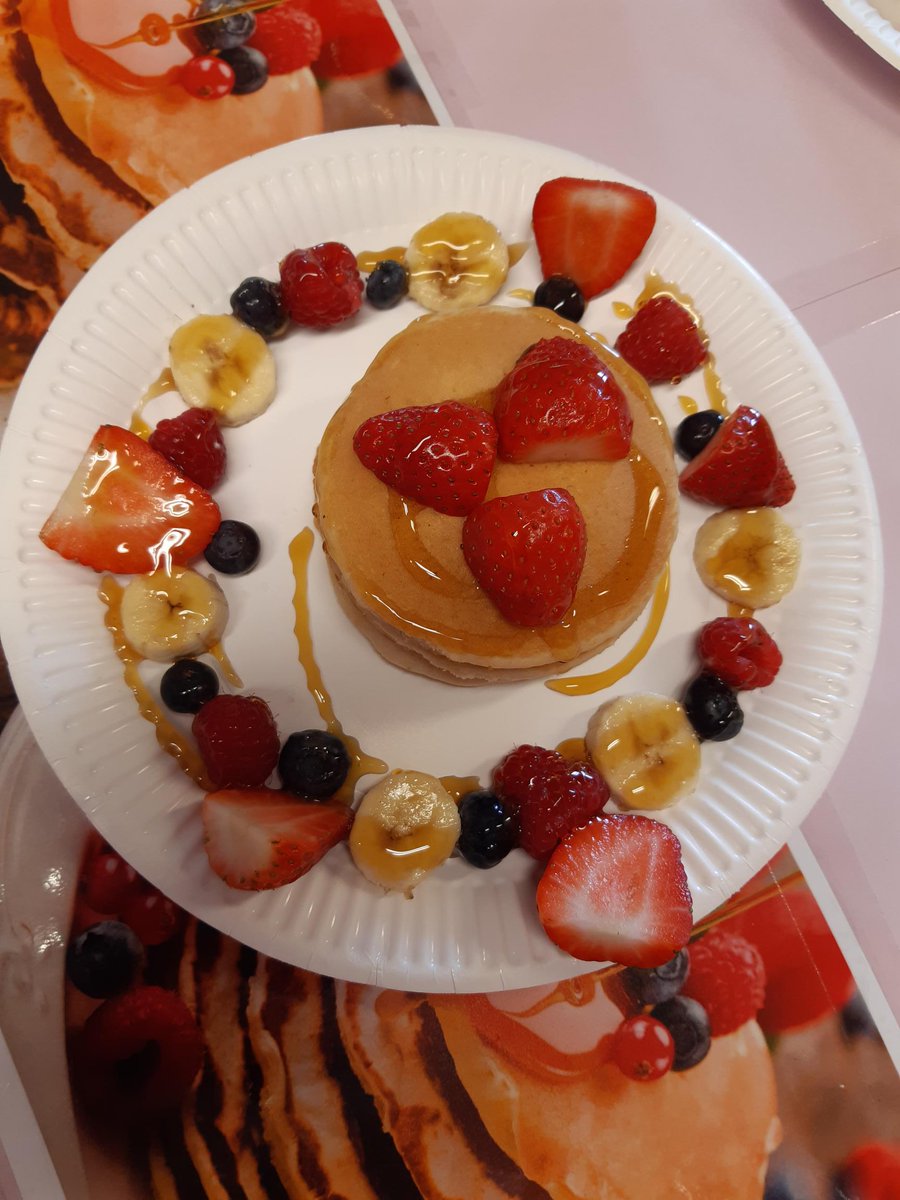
(740, 467)
(560, 403)
(441, 455)
(616, 891)
(662, 341)
(591, 230)
(259, 838)
(527, 552)
(126, 509)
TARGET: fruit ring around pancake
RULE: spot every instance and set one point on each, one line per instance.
(398, 567)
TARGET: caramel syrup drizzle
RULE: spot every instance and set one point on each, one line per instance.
(169, 738)
(612, 590)
(161, 385)
(655, 285)
(360, 762)
(587, 685)
(155, 30)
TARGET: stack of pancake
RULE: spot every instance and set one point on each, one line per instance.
(398, 567)
(313, 1088)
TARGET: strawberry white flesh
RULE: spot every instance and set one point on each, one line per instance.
(259, 838)
(616, 891)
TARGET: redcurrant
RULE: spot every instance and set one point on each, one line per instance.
(207, 77)
(643, 1049)
(108, 882)
(152, 916)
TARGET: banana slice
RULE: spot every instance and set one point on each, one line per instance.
(405, 827)
(218, 362)
(458, 261)
(173, 614)
(749, 556)
(645, 748)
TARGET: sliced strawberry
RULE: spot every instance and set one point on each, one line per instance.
(662, 341)
(740, 467)
(561, 403)
(616, 890)
(259, 838)
(591, 230)
(441, 455)
(527, 552)
(127, 509)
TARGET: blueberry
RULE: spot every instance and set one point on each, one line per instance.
(856, 1020)
(562, 295)
(313, 764)
(712, 708)
(257, 302)
(187, 685)
(695, 431)
(230, 31)
(487, 831)
(234, 549)
(388, 284)
(778, 1187)
(653, 985)
(688, 1024)
(104, 960)
(251, 69)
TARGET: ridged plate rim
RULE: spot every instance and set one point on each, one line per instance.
(871, 26)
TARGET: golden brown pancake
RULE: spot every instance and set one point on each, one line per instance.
(24, 318)
(160, 141)
(30, 259)
(706, 1132)
(395, 1046)
(79, 200)
(398, 566)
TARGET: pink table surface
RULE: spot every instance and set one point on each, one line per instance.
(776, 126)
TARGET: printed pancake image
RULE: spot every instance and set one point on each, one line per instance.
(78, 200)
(316, 1088)
(97, 129)
(151, 132)
(398, 566)
(34, 280)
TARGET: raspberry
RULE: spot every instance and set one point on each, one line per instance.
(108, 882)
(192, 442)
(807, 977)
(151, 916)
(662, 341)
(138, 1054)
(551, 795)
(289, 37)
(727, 976)
(517, 774)
(321, 286)
(870, 1172)
(740, 651)
(238, 740)
(356, 37)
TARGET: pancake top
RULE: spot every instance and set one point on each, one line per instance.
(402, 563)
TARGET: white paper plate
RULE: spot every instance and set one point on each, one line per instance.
(465, 929)
(871, 23)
